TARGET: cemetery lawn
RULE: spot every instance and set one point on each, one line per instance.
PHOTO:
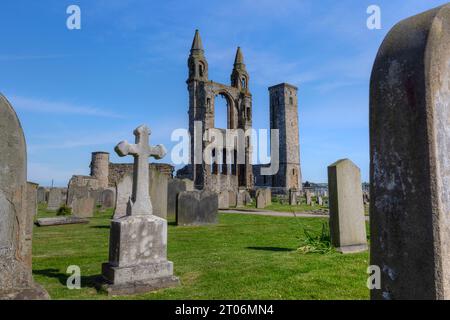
(279, 207)
(243, 257)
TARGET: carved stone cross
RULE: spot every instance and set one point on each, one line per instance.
(140, 203)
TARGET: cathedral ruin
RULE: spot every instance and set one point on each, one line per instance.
(224, 172)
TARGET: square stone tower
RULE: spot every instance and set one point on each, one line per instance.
(284, 117)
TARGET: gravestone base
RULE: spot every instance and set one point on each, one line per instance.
(35, 292)
(17, 282)
(138, 257)
(139, 287)
(352, 249)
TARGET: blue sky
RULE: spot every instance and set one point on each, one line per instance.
(85, 90)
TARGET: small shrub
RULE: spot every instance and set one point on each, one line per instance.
(317, 243)
(64, 211)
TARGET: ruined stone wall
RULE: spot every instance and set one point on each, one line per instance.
(118, 170)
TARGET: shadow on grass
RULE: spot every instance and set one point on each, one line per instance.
(274, 249)
(101, 227)
(86, 281)
(172, 223)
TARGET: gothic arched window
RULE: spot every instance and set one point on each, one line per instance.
(201, 69)
(243, 82)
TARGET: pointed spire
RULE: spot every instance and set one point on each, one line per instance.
(197, 46)
(239, 60)
(239, 57)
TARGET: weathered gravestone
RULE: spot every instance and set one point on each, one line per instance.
(124, 188)
(41, 195)
(410, 159)
(293, 197)
(263, 198)
(320, 201)
(158, 192)
(58, 221)
(108, 199)
(55, 199)
(243, 198)
(138, 242)
(82, 202)
(17, 209)
(175, 186)
(347, 220)
(83, 207)
(196, 208)
(224, 201)
(308, 197)
(32, 203)
(232, 199)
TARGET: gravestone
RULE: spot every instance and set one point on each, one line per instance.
(55, 199)
(260, 200)
(196, 208)
(82, 202)
(32, 203)
(175, 186)
(410, 169)
(41, 195)
(347, 220)
(232, 199)
(138, 241)
(263, 198)
(308, 197)
(17, 210)
(108, 199)
(243, 198)
(224, 201)
(320, 201)
(158, 192)
(86, 185)
(293, 197)
(124, 188)
(83, 207)
(58, 221)
(268, 193)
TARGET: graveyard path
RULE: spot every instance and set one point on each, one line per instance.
(277, 213)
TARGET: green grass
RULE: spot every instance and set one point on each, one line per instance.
(278, 207)
(243, 257)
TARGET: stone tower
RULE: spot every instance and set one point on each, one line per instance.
(284, 117)
(202, 94)
(100, 168)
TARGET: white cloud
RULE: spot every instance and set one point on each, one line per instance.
(45, 106)
(80, 139)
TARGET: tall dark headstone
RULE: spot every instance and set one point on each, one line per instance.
(175, 186)
(410, 159)
(196, 208)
